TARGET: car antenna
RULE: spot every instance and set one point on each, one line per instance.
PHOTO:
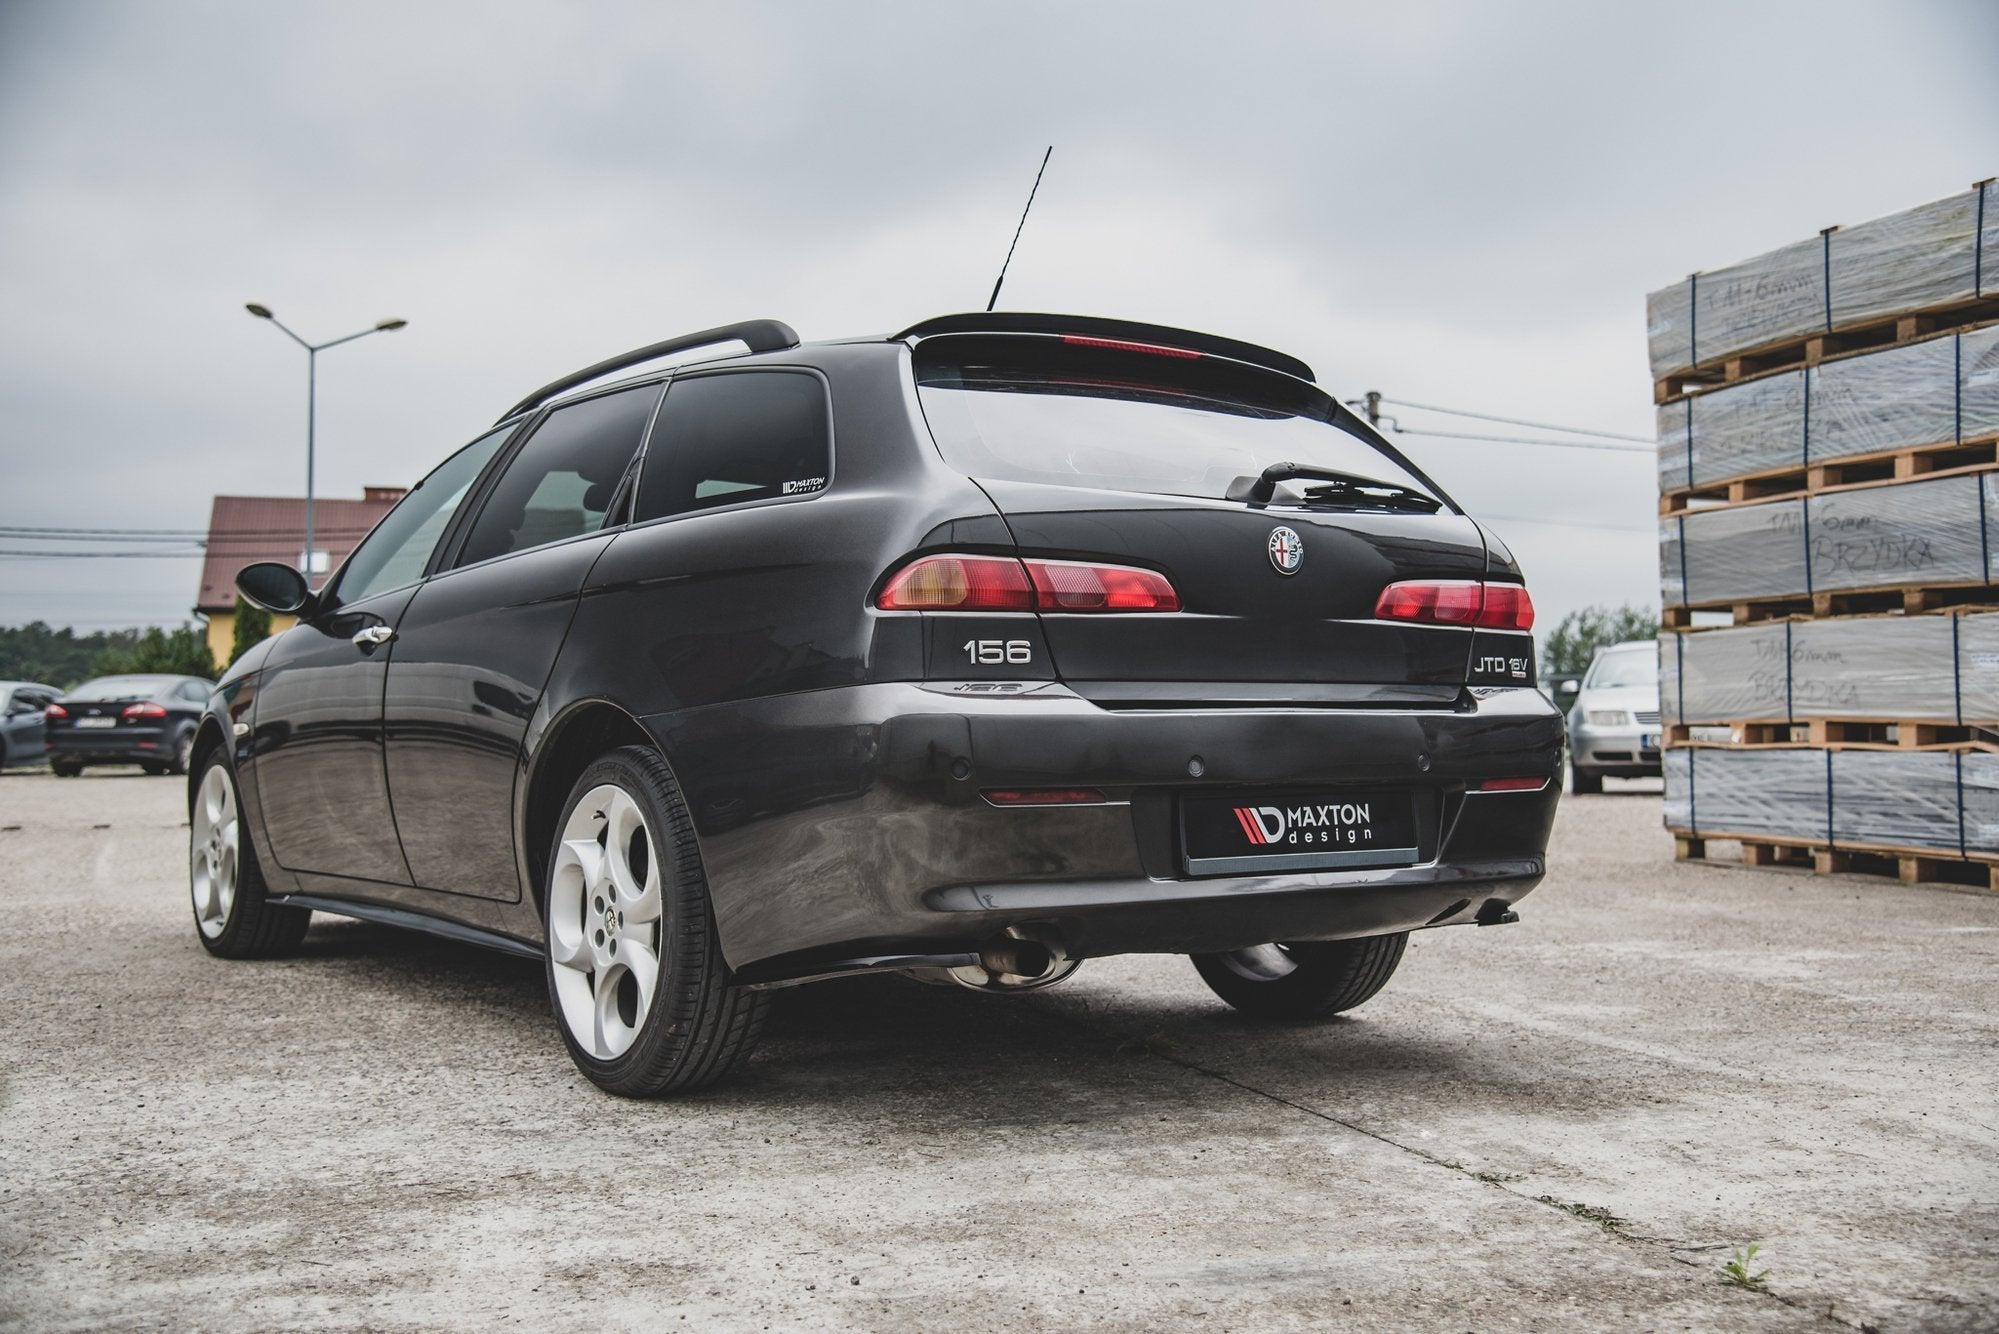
(1016, 231)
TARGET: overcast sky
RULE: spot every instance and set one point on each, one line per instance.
(1460, 205)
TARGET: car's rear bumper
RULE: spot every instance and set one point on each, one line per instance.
(848, 824)
(131, 744)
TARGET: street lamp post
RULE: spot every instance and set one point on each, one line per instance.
(312, 351)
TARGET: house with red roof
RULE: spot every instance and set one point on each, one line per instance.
(243, 530)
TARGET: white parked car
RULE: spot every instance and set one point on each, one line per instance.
(1614, 724)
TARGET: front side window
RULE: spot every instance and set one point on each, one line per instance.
(743, 435)
(562, 482)
(401, 545)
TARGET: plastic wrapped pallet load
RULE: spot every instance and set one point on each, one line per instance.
(1933, 801)
(1941, 391)
(1935, 255)
(1935, 532)
(1941, 668)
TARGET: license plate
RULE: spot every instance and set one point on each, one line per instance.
(1648, 741)
(96, 722)
(1297, 831)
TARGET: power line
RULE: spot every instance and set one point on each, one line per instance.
(1515, 421)
(1568, 523)
(103, 555)
(1527, 440)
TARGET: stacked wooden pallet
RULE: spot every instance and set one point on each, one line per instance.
(1829, 493)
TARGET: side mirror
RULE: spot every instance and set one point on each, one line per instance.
(1570, 686)
(275, 587)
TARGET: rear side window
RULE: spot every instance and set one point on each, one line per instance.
(1034, 409)
(563, 480)
(745, 435)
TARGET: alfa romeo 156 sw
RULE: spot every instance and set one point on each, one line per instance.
(969, 653)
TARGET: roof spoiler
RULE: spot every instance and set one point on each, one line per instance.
(1007, 321)
(758, 335)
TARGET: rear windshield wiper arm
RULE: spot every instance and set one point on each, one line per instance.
(1339, 489)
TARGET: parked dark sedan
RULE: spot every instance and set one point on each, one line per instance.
(968, 653)
(21, 706)
(144, 720)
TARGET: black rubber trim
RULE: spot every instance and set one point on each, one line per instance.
(757, 335)
(409, 920)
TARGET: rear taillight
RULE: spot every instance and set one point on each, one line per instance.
(143, 711)
(54, 711)
(959, 583)
(1457, 602)
(1073, 585)
(1002, 583)
(1507, 607)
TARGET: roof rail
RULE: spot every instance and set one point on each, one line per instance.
(1007, 321)
(759, 335)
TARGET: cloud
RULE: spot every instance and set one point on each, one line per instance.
(1454, 204)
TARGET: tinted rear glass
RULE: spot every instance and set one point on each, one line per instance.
(735, 437)
(1033, 409)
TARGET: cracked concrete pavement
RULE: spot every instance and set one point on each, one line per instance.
(1562, 1124)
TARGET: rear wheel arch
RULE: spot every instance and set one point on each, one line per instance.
(574, 741)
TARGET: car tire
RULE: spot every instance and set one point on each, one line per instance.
(183, 751)
(233, 917)
(641, 994)
(1306, 980)
(65, 768)
(1584, 781)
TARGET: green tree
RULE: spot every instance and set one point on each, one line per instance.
(252, 627)
(181, 652)
(1580, 634)
(35, 652)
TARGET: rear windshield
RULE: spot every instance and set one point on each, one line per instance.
(122, 687)
(1033, 409)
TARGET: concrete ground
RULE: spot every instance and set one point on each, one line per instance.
(1562, 1124)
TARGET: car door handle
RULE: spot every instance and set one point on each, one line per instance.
(374, 636)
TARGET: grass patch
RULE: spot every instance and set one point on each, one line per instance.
(1602, 1217)
(1741, 1271)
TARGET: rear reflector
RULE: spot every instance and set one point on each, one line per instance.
(1002, 583)
(1457, 602)
(1069, 585)
(1512, 785)
(144, 711)
(1120, 345)
(959, 583)
(1057, 796)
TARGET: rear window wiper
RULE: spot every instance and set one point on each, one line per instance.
(1336, 490)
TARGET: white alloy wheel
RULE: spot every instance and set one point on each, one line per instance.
(214, 836)
(604, 922)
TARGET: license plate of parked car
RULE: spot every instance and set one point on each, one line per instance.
(96, 722)
(1297, 831)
